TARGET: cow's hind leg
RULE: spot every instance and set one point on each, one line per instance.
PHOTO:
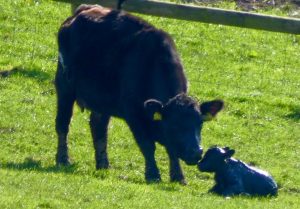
(99, 125)
(63, 118)
(65, 102)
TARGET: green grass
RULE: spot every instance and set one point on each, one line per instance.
(257, 73)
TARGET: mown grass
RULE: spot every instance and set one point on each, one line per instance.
(257, 73)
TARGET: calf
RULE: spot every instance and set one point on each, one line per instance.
(116, 64)
(234, 177)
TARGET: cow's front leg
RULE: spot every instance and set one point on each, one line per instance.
(147, 147)
(99, 125)
(151, 170)
(176, 174)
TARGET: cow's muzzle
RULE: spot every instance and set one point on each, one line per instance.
(193, 156)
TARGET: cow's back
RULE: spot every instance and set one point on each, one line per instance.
(115, 58)
(94, 33)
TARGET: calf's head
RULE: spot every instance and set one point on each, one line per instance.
(181, 120)
(214, 158)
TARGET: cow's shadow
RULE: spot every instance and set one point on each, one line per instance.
(32, 73)
(30, 164)
(295, 114)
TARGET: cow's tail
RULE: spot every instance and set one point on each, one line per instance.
(63, 48)
(119, 5)
(64, 34)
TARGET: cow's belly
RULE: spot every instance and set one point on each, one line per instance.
(98, 97)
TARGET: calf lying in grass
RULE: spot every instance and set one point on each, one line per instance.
(234, 177)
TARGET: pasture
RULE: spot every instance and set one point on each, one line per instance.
(256, 73)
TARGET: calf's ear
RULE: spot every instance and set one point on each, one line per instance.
(226, 148)
(210, 109)
(229, 153)
(153, 109)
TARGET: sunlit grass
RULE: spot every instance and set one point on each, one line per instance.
(256, 73)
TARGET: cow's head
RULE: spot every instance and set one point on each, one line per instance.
(181, 120)
(214, 158)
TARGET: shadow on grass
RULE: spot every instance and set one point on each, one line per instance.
(160, 185)
(173, 187)
(295, 115)
(293, 190)
(27, 73)
(30, 164)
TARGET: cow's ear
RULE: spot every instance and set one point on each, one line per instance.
(229, 153)
(153, 109)
(210, 109)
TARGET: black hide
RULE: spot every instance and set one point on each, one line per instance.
(115, 64)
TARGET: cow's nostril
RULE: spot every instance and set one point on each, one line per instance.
(197, 153)
(200, 150)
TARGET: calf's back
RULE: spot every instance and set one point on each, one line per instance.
(255, 181)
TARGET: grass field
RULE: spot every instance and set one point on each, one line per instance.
(256, 73)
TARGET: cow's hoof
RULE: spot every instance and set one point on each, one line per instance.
(102, 164)
(181, 180)
(63, 161)
(100, 167)
(153, 177)
(153, 180)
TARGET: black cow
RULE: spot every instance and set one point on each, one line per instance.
(233, 177)
(116, 64)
